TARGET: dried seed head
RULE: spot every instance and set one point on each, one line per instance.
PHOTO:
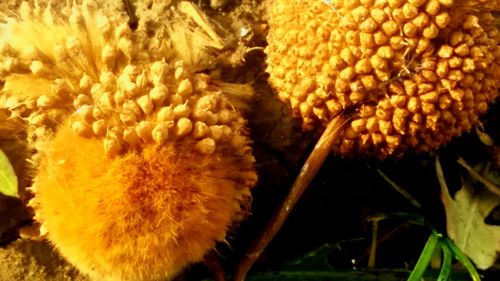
(406, 60)
(121, 110)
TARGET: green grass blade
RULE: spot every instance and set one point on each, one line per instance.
(460, 256)
(444, 274)
(425, 258)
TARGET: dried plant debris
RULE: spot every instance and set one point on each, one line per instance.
(142, 161)
(421, 71)
(417, 73)
(465, 220)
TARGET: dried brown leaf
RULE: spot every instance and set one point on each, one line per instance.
(465, 220)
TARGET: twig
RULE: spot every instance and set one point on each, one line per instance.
(212, 261)
(383, 239)
(373, 248)
(490, 186)
(309, 170)
(399, 189)
(445, 194)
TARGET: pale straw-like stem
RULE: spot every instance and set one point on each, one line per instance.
(306, 175)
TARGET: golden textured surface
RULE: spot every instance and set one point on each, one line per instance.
(145, 215)
(144, 162)
(420, 71)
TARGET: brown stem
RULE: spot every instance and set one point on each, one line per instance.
(399, 189)
(383, 239)
(492, 187)
(309, 170)
(212, 261)
(373, 248)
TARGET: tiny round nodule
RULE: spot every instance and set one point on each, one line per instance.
(419, 72)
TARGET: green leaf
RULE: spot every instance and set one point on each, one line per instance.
(8, 179)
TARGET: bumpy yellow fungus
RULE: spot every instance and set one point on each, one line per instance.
(420, 71)
(143, 163)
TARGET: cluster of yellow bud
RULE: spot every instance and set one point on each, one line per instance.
(160, 104)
